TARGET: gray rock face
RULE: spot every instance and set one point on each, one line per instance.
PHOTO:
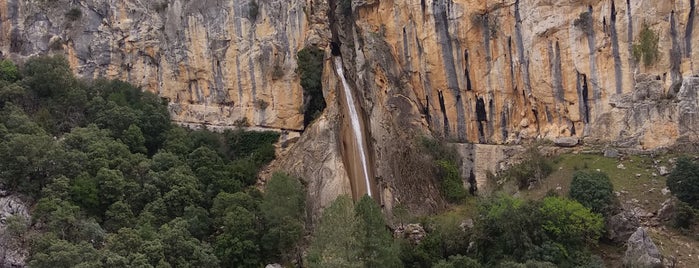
(566, 141)
(12, 254)
(666, 210)
(641, 252)
(611, 153)
(648, 118)
(621, 226)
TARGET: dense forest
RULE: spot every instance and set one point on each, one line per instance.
(113, 183)
(116, 184)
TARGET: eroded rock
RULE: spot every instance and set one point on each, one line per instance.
(621, 226)
(641, 252)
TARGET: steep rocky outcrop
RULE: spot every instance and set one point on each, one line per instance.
(496, 72)
(216, 61)
(641, 251)
(12, 211)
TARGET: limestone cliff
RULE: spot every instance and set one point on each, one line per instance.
(481, 71)
(216, 61)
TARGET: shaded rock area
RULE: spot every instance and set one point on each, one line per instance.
(12, 252)
(621, 226)
(414, 232)
(566, 141)
(641, 252)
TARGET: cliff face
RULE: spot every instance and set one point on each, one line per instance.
(501, 71)
(495, 71)
(215, 61)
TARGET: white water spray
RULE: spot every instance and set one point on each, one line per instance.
(354, 118)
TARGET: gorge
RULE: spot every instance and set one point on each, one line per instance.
(495, 72)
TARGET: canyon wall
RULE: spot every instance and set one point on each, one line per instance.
(479, 71)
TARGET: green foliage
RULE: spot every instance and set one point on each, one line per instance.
(335, 242)
(683, 181)
(594, 190)
(554, 230)
(8, 71)
(569, 222)
(377, 246)
(352, 236)
(533, 169)
(446, 165)
(458, 261)
(310, 68)
(646, 47)
(451, 184)
(117, 185)
(283, 209)
(684, 216)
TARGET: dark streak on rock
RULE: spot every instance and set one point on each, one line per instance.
(523, 61)
(675, 51)
(467, 72)
(615, 50)
(444, 113)
(689, 29)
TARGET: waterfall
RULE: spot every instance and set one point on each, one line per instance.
(354, 118)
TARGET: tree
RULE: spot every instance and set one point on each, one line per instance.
(594, 190)
(684, 181)
(335, 242)
(569, 223)
(554, 230)
(8, 71)
(283, 211)
(133, 137)
(451, 184)
(377, 246)
(458, 261)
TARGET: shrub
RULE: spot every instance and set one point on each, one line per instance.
(533, 169)
(584, 22)
(555, 230)
(451, 184)
(8, 71)
(261, 104)
(310, 68)
(345, 7)
(684, 182)
(646, 48)
(593, 189)
(684, 216)
(253, 10)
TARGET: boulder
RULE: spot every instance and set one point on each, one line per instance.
(663, 171)
(666, 210)
(611, 153)
(621, 226)
(414, 232)
(566, 141)
(641, 252)
(274, 265)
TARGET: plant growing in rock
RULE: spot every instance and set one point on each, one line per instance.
(253, 10)
(584, 22)
(646, 47)
(74, 14)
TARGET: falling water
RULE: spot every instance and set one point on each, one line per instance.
(354, 117)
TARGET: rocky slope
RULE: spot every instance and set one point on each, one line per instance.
(495, 71)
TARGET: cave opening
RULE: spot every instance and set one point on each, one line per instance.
(335, 49)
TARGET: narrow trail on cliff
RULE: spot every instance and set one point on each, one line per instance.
(354, 120)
